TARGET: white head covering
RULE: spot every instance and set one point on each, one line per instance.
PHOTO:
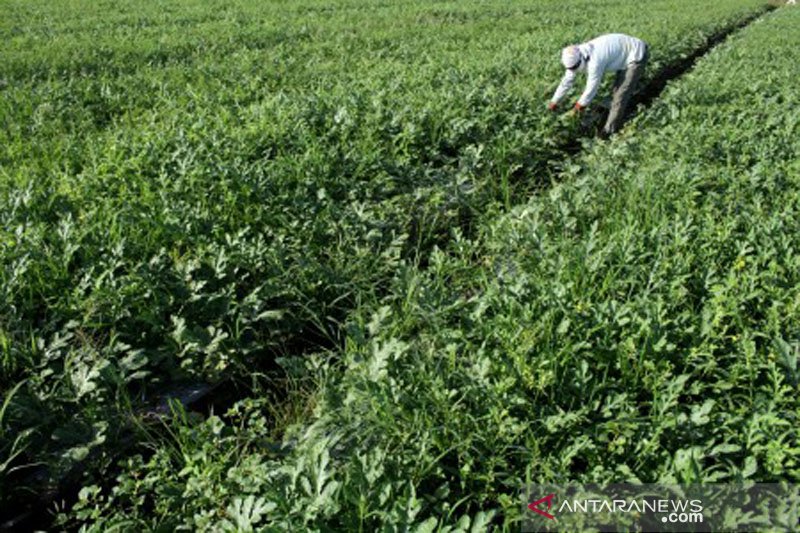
(570, 56)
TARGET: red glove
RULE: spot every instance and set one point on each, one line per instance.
(552, 106)
(579, 107)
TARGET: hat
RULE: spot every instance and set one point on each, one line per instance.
(570, 56)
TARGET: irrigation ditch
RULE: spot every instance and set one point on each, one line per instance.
(34, 509)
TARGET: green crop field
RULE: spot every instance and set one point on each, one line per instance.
(428, 290)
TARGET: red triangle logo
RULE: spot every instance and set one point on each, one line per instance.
(535, 506)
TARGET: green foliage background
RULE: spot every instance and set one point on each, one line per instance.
(195, 189)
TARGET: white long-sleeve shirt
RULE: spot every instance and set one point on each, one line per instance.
(611, 52)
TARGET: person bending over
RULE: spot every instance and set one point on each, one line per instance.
(615, 52)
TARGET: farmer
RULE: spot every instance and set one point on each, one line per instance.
(613, 52)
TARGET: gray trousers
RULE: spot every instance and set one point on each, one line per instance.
(624, 86)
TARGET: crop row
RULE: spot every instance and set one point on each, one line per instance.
(190, 188)
(637, 322)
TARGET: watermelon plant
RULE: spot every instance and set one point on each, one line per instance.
(196, 189)
(637, 321)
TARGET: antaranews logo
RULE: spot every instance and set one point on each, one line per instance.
(675, 510)
(656, 507)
